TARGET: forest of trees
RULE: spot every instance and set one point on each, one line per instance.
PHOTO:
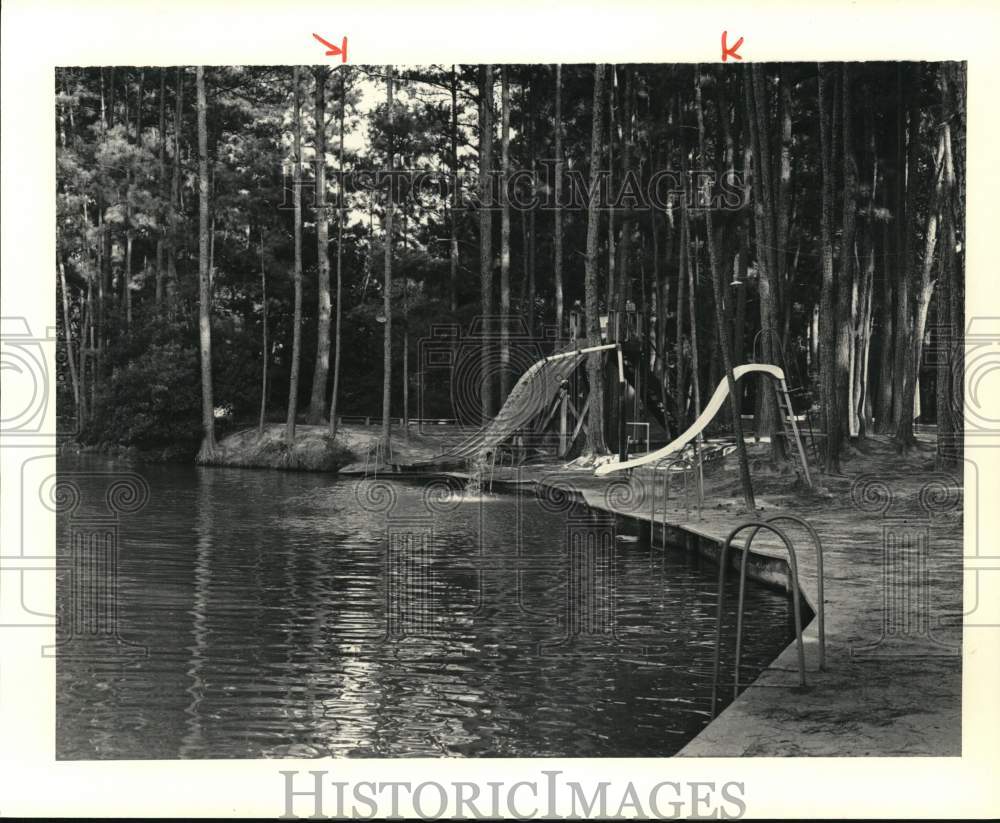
(812, 217)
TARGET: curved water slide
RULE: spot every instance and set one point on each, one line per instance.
(708, 413)
(531, 397)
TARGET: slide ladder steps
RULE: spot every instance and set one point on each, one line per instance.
(796, 390)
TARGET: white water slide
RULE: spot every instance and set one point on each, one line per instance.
(706, 416)
(531, 397)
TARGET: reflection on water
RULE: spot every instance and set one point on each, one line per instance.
(301, 615)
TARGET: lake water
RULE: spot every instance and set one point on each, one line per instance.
(271, 614)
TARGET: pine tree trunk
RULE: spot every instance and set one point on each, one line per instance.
(68, 335)
(693, 314)
(505, 376)
(595, 416)
(862, 405)
(293, 379)
(405, 419)
(204, 290)
(720, 320)
(529, 251)
(783, 207)
(88, 338)
(162, 178)
(387, 278)
(924, 289)
(956, 311)
(905, 227)
(127, 274)
(487, 370)
(452, 208)
(683, 262)
(321, 371)
(846, 293)
(944, 341)
(863, 331)
(667, 395)
(610, 302)
(341, 218)
(175, 199)
(742, 296)
(682, 374)
(265, 350)
(883, 405)
(658, 301)
(624, 254)
(949, 431)
(557, 239)
(827, 312)
(129, 232)
(769, 282)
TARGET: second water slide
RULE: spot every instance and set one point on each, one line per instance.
(707, 415)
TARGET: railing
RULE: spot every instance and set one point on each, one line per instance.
(474, 470)
(820, 608)
(493, 463)
(757, 526)
(377, 450)
(770, 333)
(633, 424)
(666, 466)
(368, 420)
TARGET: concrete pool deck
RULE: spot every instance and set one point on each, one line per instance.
(893, 598)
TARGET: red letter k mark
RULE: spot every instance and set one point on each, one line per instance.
(728, 52)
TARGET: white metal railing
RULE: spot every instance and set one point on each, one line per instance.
(755, 526)
(645, 440)
(368, 420)
(375, 455)
(666, 468)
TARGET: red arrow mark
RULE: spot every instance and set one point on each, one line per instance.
(333, 51)
(728, 52)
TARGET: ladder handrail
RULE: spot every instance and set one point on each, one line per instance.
(820, 608)
(798, 377)
(756, 525)
(376, 448)
(782, 391)
(665, 465)
(781, 349)
(494, 464)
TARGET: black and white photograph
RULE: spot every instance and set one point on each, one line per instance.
(544, 410)
(438, 390)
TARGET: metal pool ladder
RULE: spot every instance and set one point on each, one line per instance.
(757, 526)
(494, 464)
(375, 454)
(666, 465)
